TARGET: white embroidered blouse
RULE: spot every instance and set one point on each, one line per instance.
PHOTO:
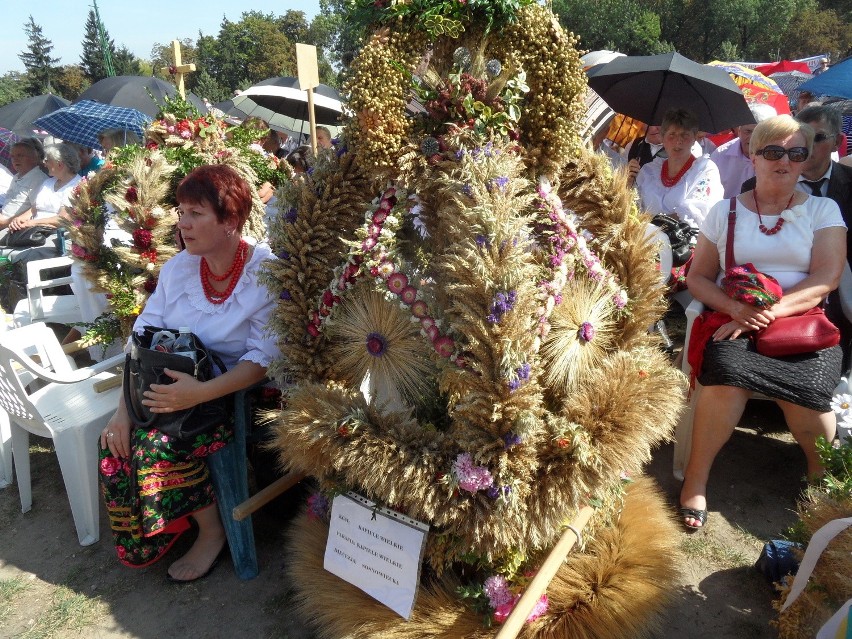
(689, 199)
(235, 329)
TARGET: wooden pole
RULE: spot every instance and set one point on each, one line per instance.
(180, 69)
(313, 121)
(256, 501)
(545, 575)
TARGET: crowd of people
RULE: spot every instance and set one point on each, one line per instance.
(782, 185)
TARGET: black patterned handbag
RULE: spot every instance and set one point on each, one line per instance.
(144, 366)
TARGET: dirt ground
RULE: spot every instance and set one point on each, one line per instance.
(52, 587)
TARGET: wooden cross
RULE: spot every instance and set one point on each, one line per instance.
(179, 69)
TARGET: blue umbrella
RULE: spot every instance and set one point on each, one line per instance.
(836, 82)
(82, 122)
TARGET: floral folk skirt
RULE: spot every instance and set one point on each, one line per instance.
(150, 497)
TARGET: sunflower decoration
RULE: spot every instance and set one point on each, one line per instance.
(375, 343)
(582, 332)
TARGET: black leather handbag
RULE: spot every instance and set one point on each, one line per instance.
(144, 366)
(681, 237)
(27, 238)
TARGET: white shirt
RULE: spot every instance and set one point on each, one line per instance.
(689, 199)
(21, 194)
(6, 177)
(49, 199)
(823, 189)
(786, 256)
(735, 167)
(235, 329)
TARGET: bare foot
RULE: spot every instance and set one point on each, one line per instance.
(199, 559)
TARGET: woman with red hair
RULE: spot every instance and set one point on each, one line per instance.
(212, 288)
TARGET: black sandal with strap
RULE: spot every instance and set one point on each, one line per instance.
(693, 513)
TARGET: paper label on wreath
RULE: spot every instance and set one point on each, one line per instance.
(376, 549)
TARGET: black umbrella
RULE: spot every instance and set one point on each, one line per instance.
(645, 87)
(283, 104)
(132, 91)
(19, 116)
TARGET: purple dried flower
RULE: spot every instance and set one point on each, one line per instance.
(586, 332)
(291, 215)
(511, 439)
(285, 295)
(376, 344)
(498, 183)
(467, 189)
(318, 506)
(284, 255)
(514, 384)
(524, 371)
(496, 588)
(482, 241)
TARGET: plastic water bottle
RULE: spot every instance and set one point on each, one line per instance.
(183, 344)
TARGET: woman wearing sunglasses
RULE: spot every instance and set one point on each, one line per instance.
(798, 239)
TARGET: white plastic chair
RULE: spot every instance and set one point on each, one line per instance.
(683, 432)
(65, 407)
(61, 309)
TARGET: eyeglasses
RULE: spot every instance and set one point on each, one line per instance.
(821, 137)
(774, 153)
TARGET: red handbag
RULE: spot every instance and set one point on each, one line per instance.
(806, 333)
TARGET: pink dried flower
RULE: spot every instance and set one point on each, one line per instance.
(419, 309)
(472, 478)
(444, 346)
(408, 294)
(397, 282)
(496, 588)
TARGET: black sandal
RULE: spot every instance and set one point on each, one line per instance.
(693, 513)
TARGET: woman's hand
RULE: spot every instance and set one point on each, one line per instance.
(731, 330)
(751, 317)
(19, 223)
(116, 435)
(185, 392)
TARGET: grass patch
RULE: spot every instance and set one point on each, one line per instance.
(68, 611)
(707, 548)
(9, 590)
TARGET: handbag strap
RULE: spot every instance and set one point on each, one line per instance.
(729, 246)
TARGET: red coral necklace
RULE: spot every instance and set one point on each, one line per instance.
(234, 272)
(669, 182)
(780, 221)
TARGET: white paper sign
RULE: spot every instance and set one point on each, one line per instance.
(376, 549)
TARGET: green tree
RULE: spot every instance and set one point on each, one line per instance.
(620, 25)
(37, 59)
(125, 63)
(70, 81)
(92, 58)
(207, 87)
(12, 87)
(814, 30)
(247, 51)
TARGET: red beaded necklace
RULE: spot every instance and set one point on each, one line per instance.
(669, 182)
(213, 296)
(780, 221)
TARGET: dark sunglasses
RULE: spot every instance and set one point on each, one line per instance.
(821, 137)
(774, 153)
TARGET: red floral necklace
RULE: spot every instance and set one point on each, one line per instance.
(780, 221)
(207, 276)
(669, 182)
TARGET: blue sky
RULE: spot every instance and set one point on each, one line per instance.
(138, 24)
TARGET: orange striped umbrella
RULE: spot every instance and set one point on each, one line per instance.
(743, 75)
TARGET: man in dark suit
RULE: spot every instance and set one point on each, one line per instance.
(823, 177)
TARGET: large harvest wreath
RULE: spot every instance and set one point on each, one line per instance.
(464, 303)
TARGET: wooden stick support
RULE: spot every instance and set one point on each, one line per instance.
(255, 502)
(545, 575)
(108, 383)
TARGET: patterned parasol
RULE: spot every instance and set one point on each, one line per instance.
(741, 74)
(7, 139)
